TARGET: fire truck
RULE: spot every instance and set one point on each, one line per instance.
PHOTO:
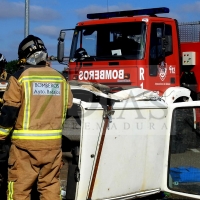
(134, 48)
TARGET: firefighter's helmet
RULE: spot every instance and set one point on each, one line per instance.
(81, 54)
(32, 50)
(2, 60)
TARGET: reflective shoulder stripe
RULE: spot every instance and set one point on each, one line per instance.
(37, 135)
(41, 78)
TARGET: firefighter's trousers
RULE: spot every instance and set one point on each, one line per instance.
(25, 167)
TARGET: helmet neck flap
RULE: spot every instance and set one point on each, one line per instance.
(37, 57)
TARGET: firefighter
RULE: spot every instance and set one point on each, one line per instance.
(4, 147)
(33, 112)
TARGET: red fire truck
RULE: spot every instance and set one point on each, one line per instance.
(134, 48)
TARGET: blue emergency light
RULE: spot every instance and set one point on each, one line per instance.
(128, 13)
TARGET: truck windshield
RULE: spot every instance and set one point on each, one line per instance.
(110, 41)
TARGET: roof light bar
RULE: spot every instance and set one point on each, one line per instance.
(149, 11)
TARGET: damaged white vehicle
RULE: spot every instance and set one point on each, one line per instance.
(131, 144)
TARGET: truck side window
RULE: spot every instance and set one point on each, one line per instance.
(159, 31)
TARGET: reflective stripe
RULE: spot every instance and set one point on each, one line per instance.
(37, 135)
(41, 78)
(65, 101)
(26, 106)
(4, 131)
(27, 45)
(10, 190)
(60, 193)
(40, 42)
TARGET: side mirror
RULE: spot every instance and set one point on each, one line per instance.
(60, 50)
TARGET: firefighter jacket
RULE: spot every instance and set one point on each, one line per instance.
(34, 108)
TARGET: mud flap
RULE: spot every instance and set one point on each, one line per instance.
(71, 182)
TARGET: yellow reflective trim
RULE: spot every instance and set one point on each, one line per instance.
(36, 138)
(65, 100)
(37, 135)
(6, 134)
(26, 119)
(29, 105)
(5, 131)
(10, 190)
(60, 192)
(38, 131)
(56, 79)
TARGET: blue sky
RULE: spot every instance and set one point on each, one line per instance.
(48, 17)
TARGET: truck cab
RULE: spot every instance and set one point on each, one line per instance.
(135, 48)
(127, 49)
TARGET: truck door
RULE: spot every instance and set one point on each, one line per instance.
(181, 175)
(162, 61)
